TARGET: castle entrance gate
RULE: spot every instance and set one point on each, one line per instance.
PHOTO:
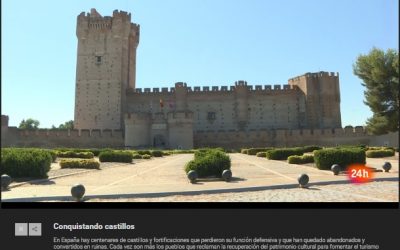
(159, 141)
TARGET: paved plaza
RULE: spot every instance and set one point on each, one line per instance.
(254, 179)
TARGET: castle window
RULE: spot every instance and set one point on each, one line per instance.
(211, 116)
(98, 59)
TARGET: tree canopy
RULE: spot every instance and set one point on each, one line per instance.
(29, 124)
(379, 71)
(66, 125)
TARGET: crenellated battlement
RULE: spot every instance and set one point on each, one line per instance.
(206, 89)
(70, 133)
(93, 14)
(95, 21)
(346, 131)
(125, 16)
(320, 74)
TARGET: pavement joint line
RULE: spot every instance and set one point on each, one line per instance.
(269, 170)
(137, 174)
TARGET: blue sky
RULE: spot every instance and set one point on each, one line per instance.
(200, 42)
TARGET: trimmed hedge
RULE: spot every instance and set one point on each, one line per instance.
(72, 154)
(146, 157)
(261, 154)
(136, 156)
(19, 162)
(157, 153)
(307, 149)
(53, 155)
(379, 153)
(144, 152)
(180, 151)
(209, 163)
(95, 151)
(89, 164)
(115, 156)
(244, 151)
(254, 151)
(283, 153)
(363, 147)
(325, 158)
(296, 159)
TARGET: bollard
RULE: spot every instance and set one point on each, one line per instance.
(387, 166)
(77, 191)
(5, 181)
(303, 180)
(335, 169)
(192, 176)
(227, 175)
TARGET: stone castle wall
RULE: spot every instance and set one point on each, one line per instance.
(13, 137)
(62, 138)
(265, 107)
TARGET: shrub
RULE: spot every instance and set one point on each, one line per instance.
(89, 164)
(220, 149)
(261, 154)
(254, 151)
(19, 162)
(146, 157)
(209, 163)
(166, 153)
(179, 151)
(379, 153)
(380, 148)
(96, 152)
(144, 152)
(296, 159)
(325, 158)
(115, 156)
(283, 153)
(53, 155)
(157, 153)
(72, 154)
(363, 147)
(77, 150)
(308, 158)
(307, 149)
(244, 151)
(136, 156)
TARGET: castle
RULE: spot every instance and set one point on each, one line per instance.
(111, 112)
(107, 97)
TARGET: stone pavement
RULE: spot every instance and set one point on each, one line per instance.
(255, 179)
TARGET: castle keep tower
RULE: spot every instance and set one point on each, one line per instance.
(106, 67)
(322, 99)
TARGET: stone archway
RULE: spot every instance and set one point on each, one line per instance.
(159, 141)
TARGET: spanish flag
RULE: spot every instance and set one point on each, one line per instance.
(161, 103)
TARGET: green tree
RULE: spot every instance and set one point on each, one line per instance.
(379, 71)
(67, 125)
(29, 124)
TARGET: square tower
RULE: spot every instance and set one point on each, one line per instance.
(322, 99)
(106, 67)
